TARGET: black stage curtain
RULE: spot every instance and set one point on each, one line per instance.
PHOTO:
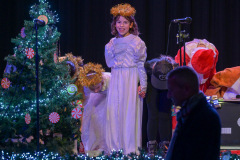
(85, 26)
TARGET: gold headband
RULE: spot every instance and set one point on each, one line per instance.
(84, 77)
(125, 10)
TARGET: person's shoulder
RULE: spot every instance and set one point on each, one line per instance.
(111, 41)
(141, 42)
(138, 41)
(106, 80)
(137, 38)
(212, 111)
(208, 111)
(86, 91)
(212, 117)
(107, 74)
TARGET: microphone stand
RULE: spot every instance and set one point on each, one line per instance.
(181, 39)
(37, 85)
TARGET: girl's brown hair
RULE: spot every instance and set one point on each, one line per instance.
(133, 30)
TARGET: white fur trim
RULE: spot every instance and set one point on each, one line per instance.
(232, 91)
(190, 46)
(200, 48)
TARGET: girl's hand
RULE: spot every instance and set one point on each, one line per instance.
(142, 94)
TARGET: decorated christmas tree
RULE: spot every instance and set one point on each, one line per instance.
(59, 109)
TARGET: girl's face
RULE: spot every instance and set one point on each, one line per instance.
(97, 88)
(123, 26)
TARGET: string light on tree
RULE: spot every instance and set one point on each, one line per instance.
(54, 81)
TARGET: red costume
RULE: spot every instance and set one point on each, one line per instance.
(202, 56)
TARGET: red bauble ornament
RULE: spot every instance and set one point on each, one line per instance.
(76, 113)
(23, 35)
(27, 118)
(5, 83)
(54, 117)
(44, 18)
(30, 53)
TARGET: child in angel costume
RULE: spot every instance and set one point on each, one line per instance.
(95, 82)
(125, 54)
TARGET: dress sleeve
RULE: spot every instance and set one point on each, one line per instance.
(109, 54)
(140, 58)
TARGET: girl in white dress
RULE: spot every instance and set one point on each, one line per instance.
(95, 83)
(125, 55)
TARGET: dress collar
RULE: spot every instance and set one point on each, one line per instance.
(126, 39)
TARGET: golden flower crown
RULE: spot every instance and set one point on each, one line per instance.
(77, 61)
(125, 10)
(87, 78)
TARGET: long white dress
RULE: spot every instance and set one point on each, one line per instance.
(94, 116)
(126, 57)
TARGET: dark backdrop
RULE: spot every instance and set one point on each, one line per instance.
(85, 27)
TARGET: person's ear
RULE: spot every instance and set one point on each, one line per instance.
(131, 25)
(187, 89)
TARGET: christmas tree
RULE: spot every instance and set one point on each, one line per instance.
(57, 96)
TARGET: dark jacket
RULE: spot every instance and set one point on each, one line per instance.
(198, 133)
